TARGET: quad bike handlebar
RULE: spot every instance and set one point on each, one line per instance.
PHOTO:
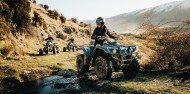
(101, 38)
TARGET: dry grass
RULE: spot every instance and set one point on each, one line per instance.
(158, 82)
(172, 45)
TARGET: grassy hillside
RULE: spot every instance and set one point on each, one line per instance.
(25, 25)
(163, 53)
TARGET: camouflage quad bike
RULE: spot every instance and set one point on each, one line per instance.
(70, 46)
(111, 57)
(49, 47)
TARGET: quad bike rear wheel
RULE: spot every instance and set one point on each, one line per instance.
(81, 68)
(40, 52)
(132, 70)
(103, 68)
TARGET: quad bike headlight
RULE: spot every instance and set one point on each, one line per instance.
(135, 51)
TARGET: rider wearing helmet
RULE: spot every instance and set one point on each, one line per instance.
(101, 31)
(71, 41)
(49, 38)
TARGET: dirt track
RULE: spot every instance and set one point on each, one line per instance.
(66, 80)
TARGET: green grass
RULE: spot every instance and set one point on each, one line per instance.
(39, 66)
(153, 82)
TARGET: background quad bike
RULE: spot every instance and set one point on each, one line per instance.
(103, 60)
(69, 48)
(54, 48)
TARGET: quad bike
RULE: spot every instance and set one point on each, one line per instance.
(70, 46)
(49, 47)
(111, 57)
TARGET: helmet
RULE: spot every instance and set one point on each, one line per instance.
(100, 20)
(72, 37)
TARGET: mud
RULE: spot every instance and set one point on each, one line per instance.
(62, 82)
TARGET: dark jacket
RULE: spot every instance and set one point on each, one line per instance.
(71, 39)
(49, 38)
(103, 32)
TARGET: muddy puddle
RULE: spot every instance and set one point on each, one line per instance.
(62, 82)
(67, 82)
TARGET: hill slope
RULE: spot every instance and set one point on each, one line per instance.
(128, 22)
(30, 23)
(174, 11)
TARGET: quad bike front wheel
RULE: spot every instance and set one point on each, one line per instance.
(57, 49)
(40, 52)
(103, 68)
(46, 50)
(81, 68)
(54, 50)
(73, 49)
(64, 49)
(132, 70)
(76, 48)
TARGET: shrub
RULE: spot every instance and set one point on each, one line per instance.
(86, 25)
(74, 20)
(37, 19)
(53, 14)
(34, 1)
(4, 28)
(11, 49)
(61, 36)
(69, 30)
(21, 15)
(81, 24)
(56, 14)
(63, 19)
(6, 49)
(41, 5)
(172, 46)
(46, 7)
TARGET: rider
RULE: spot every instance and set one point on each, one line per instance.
(71, 41)
(50, 39)
(101, 31)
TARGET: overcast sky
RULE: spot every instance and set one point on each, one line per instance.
(91, 9)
